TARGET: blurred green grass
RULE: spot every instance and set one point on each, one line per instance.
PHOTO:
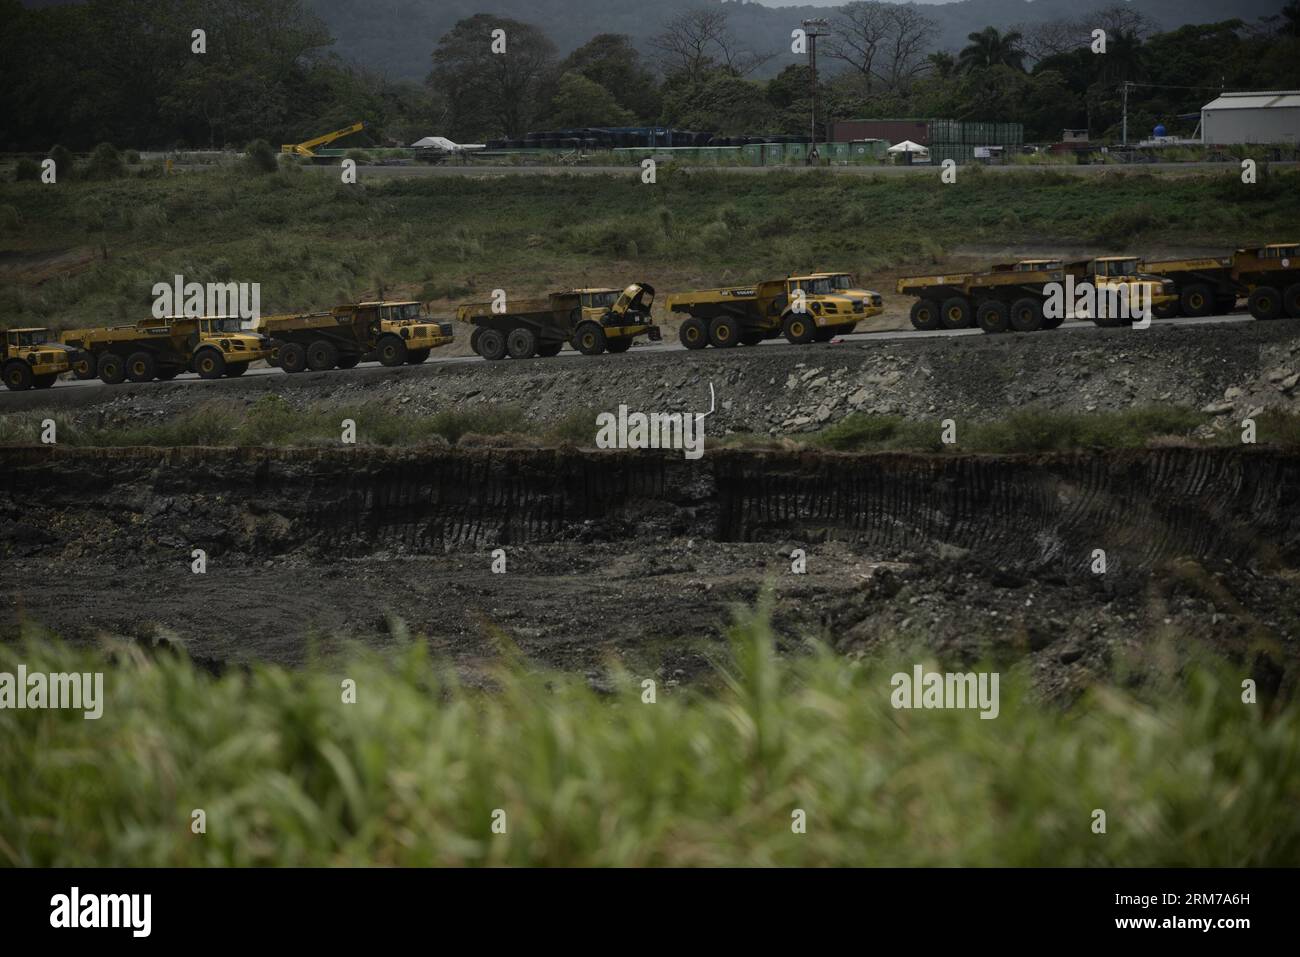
(412, 772)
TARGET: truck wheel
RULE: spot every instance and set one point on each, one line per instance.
(44, 380)
(1170, 310)
(473, 341)
(992, 316)
(1265, 303)
(321, 355)
(1197, 300)
(925, 314)
(521, 343)
(83, 364)
(694, 334)
(348, 362)
(293, 357)
(210, 364)
(235, 369)
(1026, 315)
(956, 313)
(391, 351)
(491, 344)
(548, 350)
(724, 332)
(797, 329)
(1291, 300)
(415, 356)
(589, 339)
(621, 344)
(18, 375)
(141, 367)
(111, 368)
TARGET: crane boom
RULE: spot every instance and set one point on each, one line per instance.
(306, 147)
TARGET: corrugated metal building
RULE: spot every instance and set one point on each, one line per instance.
(1269, 116)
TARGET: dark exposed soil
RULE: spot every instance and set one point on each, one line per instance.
(643, 557)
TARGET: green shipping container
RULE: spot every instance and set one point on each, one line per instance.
(773, 154)
(796, 152)
(752, 154)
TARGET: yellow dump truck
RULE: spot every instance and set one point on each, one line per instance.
(33, 358)
(393, 332)
(1013, 295)
(212, 346)
(592, 320)
(1267, 276)
(807, 308)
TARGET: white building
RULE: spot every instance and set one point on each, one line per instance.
(1269, 116)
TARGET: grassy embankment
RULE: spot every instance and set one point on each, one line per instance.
(97, 248)
(412, 773)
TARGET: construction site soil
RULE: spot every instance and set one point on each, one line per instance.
(642, 557)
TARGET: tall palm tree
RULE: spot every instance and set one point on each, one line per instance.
(988, 47)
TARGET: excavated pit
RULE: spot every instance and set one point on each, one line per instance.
(642, 556)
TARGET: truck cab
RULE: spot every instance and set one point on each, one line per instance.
(32, 359)
(401, 331)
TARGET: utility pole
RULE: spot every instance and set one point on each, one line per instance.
(810, 28)
(1124, 97)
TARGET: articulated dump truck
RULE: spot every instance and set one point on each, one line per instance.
(395, 333)
(591, 320)
(33, 359)
(1013, 295)
(212, 346)
(811, 308)
(1268, 276)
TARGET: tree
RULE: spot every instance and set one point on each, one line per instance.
(610, 60)
(719, 101)
(583, 102)
(990, 48)
(695, 42)
(492, 93)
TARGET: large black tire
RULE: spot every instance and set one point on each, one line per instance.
(1265, 303)
(724, 332)
(44, 380)
(415, 356)
(694, 334)
(235, 369)
(1197, 300)
(521, 342)
(293, 357)
(548, 350)
(798, 328)
(589, 339)
(925, 314)
(391, 350)
(210, 364)
(141, 367)
(491, 344)
(621, 344)
(111, 369)
(83, 364)
(321, 355)
(348, 362)
(1291, 300)
(1026, 315)
(956, 313)
(993, 316)
(473, 340)
(18, 375)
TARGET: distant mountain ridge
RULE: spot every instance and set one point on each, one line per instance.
(396, 37)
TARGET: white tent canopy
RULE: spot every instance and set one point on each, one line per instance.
(907, 146)
(442, 143)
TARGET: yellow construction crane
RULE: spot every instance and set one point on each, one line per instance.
(306, 147)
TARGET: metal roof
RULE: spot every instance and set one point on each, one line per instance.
(1264, 99)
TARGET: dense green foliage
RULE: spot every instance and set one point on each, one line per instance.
(274, 70)
(413, 772)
